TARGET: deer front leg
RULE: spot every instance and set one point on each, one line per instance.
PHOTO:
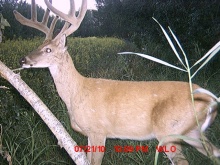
(97, 143)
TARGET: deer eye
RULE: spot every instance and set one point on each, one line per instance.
(48, 50)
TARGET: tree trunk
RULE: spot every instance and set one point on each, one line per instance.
(64, 139)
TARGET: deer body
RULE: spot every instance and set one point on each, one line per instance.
(100, 108)
(118, 105)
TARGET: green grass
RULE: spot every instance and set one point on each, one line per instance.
(28, 139)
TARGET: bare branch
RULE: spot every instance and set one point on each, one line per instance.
(64, 139)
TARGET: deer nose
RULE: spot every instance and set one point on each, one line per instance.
(22, 61)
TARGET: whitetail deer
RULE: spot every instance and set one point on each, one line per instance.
(100, 108)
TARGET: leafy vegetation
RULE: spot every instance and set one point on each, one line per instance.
(3, 23)
(28, 139)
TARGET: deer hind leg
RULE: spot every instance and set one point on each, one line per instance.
(175, 155)
(97, 144)
(207, 149)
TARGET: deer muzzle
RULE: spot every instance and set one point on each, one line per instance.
(25, 63)
(22, 61)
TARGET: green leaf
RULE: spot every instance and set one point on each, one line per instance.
(4, 23)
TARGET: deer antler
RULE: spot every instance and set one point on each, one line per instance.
(72, 21)
(42, 26)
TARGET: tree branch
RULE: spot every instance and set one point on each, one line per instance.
(64, 139)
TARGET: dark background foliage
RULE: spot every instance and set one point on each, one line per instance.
(194, 21)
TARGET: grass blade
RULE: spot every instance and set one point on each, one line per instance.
(208, 53)
(184, 54)
(155, 60)
(170, 42)
(207, 60)
(4, 87)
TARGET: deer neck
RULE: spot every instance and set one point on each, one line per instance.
(67, 79)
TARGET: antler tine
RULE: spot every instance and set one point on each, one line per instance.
(52, 26)
(72, 8)
(53, 23)
(42, 26)
(46, 16)
(71, 18)
(33, 11)
(71, 13)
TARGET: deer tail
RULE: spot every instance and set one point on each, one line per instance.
(211, 109)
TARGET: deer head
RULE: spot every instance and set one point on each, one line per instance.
(53, 48)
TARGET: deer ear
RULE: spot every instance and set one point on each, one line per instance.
(61, 42)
